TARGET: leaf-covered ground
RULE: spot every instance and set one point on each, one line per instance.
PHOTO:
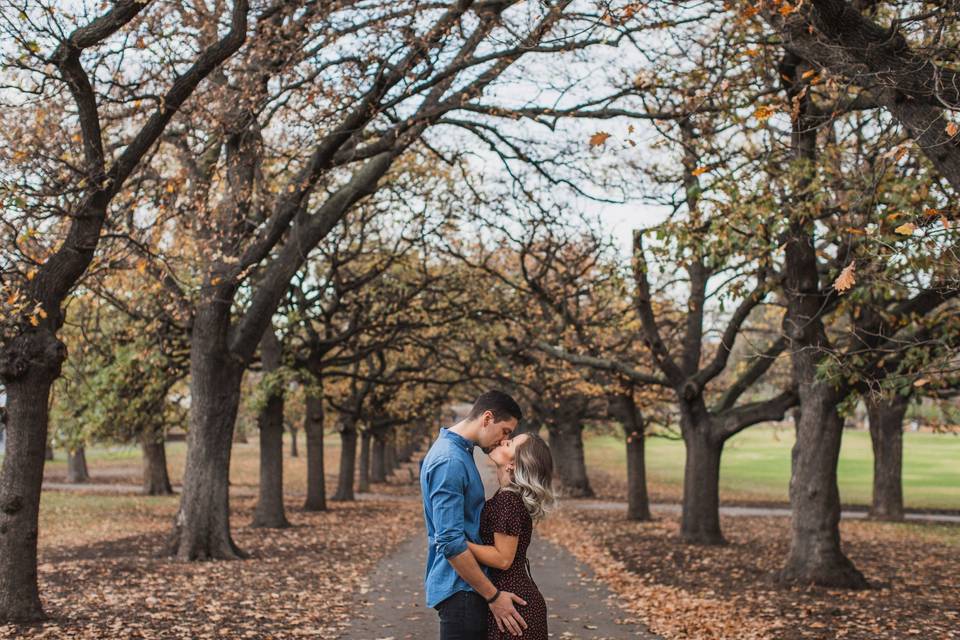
(298, 582)
(729, 592)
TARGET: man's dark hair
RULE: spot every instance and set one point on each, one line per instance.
(500, 404)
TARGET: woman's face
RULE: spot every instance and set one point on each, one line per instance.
(505, 453)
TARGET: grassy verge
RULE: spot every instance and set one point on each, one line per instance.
(756, 467)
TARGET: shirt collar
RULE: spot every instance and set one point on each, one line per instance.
(460, 441)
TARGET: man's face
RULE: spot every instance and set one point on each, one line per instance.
(493, 433)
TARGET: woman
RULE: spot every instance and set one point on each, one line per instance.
(524, 471)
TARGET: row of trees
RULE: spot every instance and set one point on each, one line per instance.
(304, 190)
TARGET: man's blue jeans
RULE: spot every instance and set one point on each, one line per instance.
(463, 616)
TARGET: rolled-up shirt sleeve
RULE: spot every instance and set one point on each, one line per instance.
(447, 483)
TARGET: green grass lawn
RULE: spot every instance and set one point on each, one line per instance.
(756, 466)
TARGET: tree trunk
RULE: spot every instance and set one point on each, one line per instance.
(348, 460)
(378, 466)
(29, 366)
(269, 512)
(202, 524)
(624, 408)
(815, 555)
(156, 480)
(390, 453)
(294, 452)
(363, 482)
(566, 440)
(700, 521)
(77, 471)
(886, 435)
(313, 427)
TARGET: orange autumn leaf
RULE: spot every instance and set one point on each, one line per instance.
(847, 278)
(906, 229)
(952, 129)
(763, 113)
(699, 171)
(598, 138)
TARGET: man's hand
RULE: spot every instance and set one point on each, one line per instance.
(508, 619)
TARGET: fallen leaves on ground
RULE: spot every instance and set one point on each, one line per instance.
(298, 582)
(729, 591)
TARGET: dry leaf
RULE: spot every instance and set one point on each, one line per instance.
(598, 138)
(906, 229)
(847, 278)
(763, 113)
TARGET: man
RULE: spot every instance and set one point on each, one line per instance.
(456, 586)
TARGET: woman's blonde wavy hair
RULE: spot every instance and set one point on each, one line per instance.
(533, 476)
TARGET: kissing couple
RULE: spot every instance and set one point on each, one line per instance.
(478, 577)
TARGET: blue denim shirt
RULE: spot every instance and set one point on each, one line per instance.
(452, 501)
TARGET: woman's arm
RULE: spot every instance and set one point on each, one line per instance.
(499, 555)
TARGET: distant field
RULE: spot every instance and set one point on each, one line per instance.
(68, 518)
(756, 466)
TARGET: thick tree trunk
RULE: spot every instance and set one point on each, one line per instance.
(77, 471)
(269, 512)
(29, 366)
(378, 464)
(156, 480)
(700, 522)
(348, 460)
(886, 435)
(363, 482)
(313, 427)
(202, 524)
(815, 555)
(566, 441)
(624, 408)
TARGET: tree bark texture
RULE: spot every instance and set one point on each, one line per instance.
(156, 480)
(348, 460)
(269, 512)
(566, 442)
(77, 471)
(700, 521)
(625, 409)
(313, 426)
(363, 482)
(29, 366)
(202, 525)
(815, 555)
(886, 435)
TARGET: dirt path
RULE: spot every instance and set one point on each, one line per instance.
(577, 604)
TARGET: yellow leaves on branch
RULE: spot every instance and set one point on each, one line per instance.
(847, 278)
(598, 138)
(699, 171)
(906, 229)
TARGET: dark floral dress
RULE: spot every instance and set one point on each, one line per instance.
(504, 513)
